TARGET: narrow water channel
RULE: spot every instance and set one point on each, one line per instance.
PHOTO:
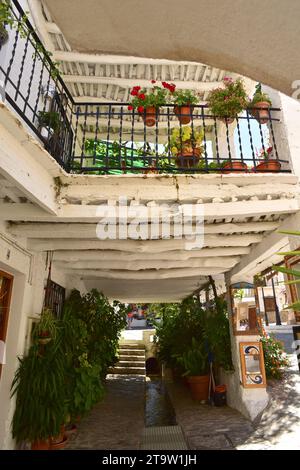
(159, 410)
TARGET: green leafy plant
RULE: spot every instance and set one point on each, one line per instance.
(186, 138)
(259, 97)
(194, 361)
(184, 98)
(39, 387)
(274, 356)
(49, 119)
(229, 101)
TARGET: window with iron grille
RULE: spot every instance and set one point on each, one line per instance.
(54, 297)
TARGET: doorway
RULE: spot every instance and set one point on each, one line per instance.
(6, 282)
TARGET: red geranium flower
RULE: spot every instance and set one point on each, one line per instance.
(269, 150)
(153, 81)
(140, 109)
(136, 88)
(142, 96)
(134, 92)
(130, 107)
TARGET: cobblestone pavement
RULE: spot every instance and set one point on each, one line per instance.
(118, 421)
(205, 426)
(208, 427)
(279, 427)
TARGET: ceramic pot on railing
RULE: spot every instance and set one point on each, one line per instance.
(188, 157)
(261, 114)
(184, 113)
(150, 116)
(271, 165)
(236, 167)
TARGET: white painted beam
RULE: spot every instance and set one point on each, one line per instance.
(264, 254)
(146, 274)
(138, 246)
(76, 254)
(216, 262)
(130, 82)
(114, 59)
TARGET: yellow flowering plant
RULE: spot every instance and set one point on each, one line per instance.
(186, 138)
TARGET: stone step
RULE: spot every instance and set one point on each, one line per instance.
(127, 370)
(131, 364)
(132, 346)
(134, 358)
(132, 352)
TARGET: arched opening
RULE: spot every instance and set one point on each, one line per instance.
(152, 366)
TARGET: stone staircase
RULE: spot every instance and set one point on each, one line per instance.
(131, 360)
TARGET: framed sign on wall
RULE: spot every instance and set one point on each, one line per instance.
(252, 364)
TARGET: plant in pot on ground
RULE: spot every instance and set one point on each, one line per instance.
(184, 101)
(39, 387)
(186, 146)
(228, 102)
(259, 105)
(194, 362)
(147, 101)
(268, 164)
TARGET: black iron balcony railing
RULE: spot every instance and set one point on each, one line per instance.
(107, 138)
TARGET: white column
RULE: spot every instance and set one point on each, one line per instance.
(249, 401)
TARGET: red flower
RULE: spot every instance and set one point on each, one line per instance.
(142, 96)
(269, 150)
(140, 109)
(134, 93)
(130, 107)
(165, 84)
(136, 88)
(153, 81)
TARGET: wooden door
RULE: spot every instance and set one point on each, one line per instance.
(6, 282)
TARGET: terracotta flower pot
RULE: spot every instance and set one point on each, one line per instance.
(269, 165)
(199, 385)
(237, 167)
(40, 445)
(227, 120)
(59, 445)
(150, 115)
(188, 157)
(261, 114)
(184, 113)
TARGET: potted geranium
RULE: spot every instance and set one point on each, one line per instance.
(186, 145)
(147, 101)
(260, 104)
(228, 102)
(268, 164)
(183, 105)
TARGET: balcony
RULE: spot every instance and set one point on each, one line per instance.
(106, 138)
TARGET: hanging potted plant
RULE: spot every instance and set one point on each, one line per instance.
(147, 101)
(45, 329)
(6, 18)
(268, 164)
(234, 165)
(49, 123)
(260, 104)
(186, 146)
(183, 105)
(228, 102)
(196, 367)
